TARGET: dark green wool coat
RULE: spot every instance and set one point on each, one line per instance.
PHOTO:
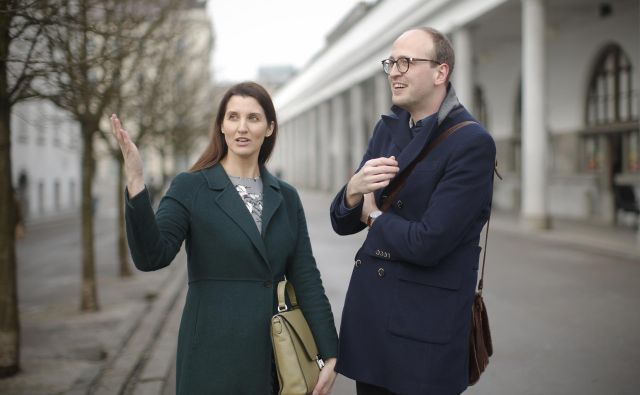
(224, 345)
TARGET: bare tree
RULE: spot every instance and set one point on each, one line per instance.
(181, 103)
(21, 26)
(92, 53)
(154, 110)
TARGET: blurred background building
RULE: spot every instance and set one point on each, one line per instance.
(46, 149)
(46, 159)
(556, 84)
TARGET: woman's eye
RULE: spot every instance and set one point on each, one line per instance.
(232, 116)
(254, 117)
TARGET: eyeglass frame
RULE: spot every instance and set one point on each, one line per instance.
(393, 62)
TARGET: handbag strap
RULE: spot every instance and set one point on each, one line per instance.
(282, 302)
(486, 236)
(398, 182)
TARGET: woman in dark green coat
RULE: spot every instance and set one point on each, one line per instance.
(245, 230)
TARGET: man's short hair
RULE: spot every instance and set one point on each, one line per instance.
(444, 49)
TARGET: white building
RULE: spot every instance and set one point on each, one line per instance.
(555, 82)
(45, 154)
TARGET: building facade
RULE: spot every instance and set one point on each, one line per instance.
(555, 82)
(45, 155)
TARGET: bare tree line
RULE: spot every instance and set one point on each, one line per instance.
(92, 58)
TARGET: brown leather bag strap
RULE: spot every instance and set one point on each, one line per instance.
(398, 182)
(486, 236)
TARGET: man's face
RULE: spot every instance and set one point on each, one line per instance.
(414, 89)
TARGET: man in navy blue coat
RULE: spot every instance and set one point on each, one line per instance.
(407, 315)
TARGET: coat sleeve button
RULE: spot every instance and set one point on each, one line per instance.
(358, 262)
(381, 272)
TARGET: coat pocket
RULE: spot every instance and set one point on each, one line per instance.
(424, 310)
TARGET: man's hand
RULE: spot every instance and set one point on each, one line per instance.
(368, 206)
(327, 378)
(375, 174)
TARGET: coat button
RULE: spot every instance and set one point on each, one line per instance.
(358, 262)
(381, 272)
(399, 204)
(267, 284)
(377, 252)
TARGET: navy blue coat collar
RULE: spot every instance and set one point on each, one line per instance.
(398, 123)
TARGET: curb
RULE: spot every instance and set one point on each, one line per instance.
(601, 246)
(114, 376)
(153, 378)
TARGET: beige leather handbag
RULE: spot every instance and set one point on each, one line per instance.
(296, 354)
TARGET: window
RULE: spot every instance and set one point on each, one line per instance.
(610, 97)
(480, 106)
(592, 153)
(631, 154)
(612, 114)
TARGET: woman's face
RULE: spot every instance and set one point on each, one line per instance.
(245, 127)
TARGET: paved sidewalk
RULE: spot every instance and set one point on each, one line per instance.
(64, 351)
(603, 239)
(129, 346)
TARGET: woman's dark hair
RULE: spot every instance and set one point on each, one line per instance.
(217, 148)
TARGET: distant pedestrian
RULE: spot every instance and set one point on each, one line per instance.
(245, 230)
(406, 319)
(20, 229)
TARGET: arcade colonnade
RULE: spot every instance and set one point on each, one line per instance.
(524, 68)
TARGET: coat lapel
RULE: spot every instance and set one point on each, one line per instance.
(231, 203)
(271, 197)
(398, 123)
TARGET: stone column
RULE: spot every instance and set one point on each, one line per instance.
(382, 95)
(534, 133)
(286, 158)
(298, 153)
(357, 127)
(463, 73)
(311, 148)
(324, 148)
(340, 143)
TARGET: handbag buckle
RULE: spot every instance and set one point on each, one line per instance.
(320, 362)
(282, 308)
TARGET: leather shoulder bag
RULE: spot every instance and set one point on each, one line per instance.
(298, 362)
(480, 342)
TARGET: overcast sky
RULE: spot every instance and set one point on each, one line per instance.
(253, 33)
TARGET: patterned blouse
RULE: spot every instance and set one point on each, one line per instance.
(250, 190)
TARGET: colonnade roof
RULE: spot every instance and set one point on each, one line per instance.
(356, 56)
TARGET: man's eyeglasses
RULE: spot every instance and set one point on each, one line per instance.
(402, 63)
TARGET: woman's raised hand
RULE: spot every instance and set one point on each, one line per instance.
(132, 160)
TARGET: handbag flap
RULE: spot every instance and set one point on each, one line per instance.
(297, 322)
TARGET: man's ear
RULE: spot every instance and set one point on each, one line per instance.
(442, 74)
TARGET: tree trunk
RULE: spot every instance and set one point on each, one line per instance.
(123, 250)
(88, 293)
(9, 318)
